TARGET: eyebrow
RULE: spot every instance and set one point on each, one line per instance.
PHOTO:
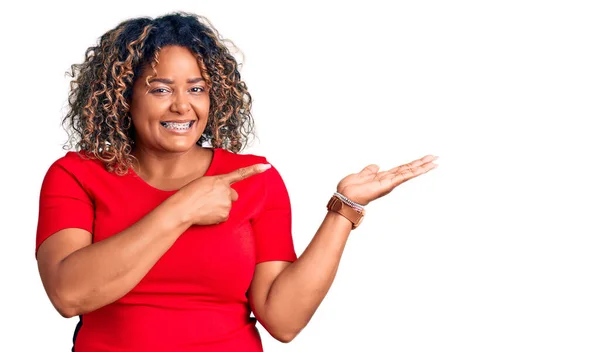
(169, 81)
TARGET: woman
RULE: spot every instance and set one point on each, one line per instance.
(159, 243)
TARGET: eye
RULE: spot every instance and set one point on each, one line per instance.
(160, 90)
(197, 89)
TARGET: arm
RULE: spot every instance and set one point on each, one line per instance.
(80, 277)
(284, 296)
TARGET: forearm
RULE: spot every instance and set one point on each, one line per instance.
(103, 272)
(300, 288)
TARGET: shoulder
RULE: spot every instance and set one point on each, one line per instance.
(74, 161)
(229, 161)
(78, 166)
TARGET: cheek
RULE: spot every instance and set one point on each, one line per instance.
(201, 107)
(145, 109)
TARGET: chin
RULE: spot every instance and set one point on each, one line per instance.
(179, 147)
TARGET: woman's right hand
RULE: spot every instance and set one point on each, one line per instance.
(207, 200)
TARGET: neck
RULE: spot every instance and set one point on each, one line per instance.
(152, 164)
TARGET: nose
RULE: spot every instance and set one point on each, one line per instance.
(180, 105)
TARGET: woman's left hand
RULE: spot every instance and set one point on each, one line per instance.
(370, 183)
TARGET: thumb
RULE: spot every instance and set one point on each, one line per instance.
(369, 170)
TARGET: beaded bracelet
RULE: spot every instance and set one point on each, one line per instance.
(354, 205)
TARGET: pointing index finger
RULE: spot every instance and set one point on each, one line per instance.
(244, 173)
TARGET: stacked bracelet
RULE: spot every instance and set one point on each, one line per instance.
(354, 205)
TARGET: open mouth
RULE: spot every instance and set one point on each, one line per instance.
(178, 126)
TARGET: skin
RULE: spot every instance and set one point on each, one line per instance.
(177, 93)
(80, 276)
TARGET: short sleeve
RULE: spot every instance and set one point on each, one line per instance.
(63, 204)
(273, 224)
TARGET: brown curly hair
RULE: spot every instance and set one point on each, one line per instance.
(98, 120)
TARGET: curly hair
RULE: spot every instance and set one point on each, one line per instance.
(98, 120)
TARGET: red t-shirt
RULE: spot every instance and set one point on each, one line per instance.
(194, 297)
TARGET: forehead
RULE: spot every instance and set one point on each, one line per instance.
(176, 61)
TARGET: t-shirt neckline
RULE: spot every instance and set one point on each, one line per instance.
(209, 172)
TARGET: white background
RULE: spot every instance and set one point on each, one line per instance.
(495, 250)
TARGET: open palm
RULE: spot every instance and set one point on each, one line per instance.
(370, 183)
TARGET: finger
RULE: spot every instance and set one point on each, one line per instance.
(233, 195)
(369, 170)
(404, 175)
(414, 164)
(244, 173)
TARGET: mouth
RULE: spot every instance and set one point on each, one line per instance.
(177, 126)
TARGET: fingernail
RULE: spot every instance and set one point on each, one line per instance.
(263, 167)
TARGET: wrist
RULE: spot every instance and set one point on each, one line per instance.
(339, 204)
(356, 206)
(178, 211)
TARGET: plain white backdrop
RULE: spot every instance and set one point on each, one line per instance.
(495, 250)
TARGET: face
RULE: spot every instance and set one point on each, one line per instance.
(171, 113)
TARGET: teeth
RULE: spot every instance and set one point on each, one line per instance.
(176, 125)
